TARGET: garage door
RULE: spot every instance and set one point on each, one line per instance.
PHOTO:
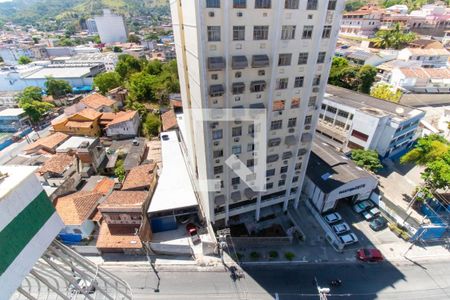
(164, 224)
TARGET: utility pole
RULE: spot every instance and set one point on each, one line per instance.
(323, 292)
(222, 235)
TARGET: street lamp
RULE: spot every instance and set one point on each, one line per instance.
(323, 292)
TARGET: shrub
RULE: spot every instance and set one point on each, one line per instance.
(255, 255)
(273, 254)
(289, 256)
(239, 256)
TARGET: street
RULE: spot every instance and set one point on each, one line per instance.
(360, 281)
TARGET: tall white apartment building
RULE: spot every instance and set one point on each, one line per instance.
(273, 55)
(111, 28)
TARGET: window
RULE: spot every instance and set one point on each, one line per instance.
(292, 122)
(307, 32)
(316, 80)
(257, 86)
(291, 4)
(286, 155)
(262, 3)
(235, 180)
(293, 190)
(276, 125)
(260, 33)
(261, 72)
(250, 147)
(218, 170)
(217, 153)
(282, 83)
(213, 33)
(270, 172)
(312, 101)
(332, 5)
(331, 109)
(359, 135)
(303, 58)
(299, 81)
(238, 33)
(326, 33)
(269, 185)
(281, 182)
(295, 179)
(274, 142)
(250, 162)
(342, 113)
(283, 169)
(236, 149)
(238, 88)
(284, 59)
(298, 166)
(321, 57)
(213, 3)
(311, 5)
(251, 128)
(214, 76)
(295, 102)
(236, 131)
(239, 3)
(308, 120)
(217, 134)
(288, 32)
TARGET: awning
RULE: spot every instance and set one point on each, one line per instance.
(272, 158)
(239, 62)
(216, 89)
(260, 61)
(301, 151)
(287, 155)
(291, 140)
(249, 193)
(219, 200)
(235, 196)
(216, 63)
(238, 88)
(257, 105)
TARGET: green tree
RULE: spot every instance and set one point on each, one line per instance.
(119, 170)
(151, 125)
(395, 37)
(153, 67)
(24, 60)
(132, 38)
(57, 88)
(354, 5)
(151, 37)
(366, 76)
(142, 87)
(337, 65)
(107, 81)
(367, 159)
(116, 49)
(134, 105)
(29, 94)
(36, 109)
(384, 91)
(437, 173)
(427, 149)
(127, 65)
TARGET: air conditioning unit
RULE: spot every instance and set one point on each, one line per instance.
(291, 130)
(217, 161)
(216, 143)
(307, 127)
(211, 14)
(236, 140)
(315, 90)
(239, 14)
(285, 162)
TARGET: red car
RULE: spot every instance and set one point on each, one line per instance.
(192, 231)
(369, 254)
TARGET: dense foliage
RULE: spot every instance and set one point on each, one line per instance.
(394, 38)
(107, 81)
(385, 91)
(30, 100)
(367, 159)
(23, 60)
(350, 76)
(151, 125)
(57, 88)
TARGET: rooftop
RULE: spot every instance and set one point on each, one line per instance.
(49, 142)
(16, 174)
(169, 120)
(369, 104)
(428, 52)
(124, 199)
(174, 189)
(117, 238)
(140, 177)
(329, 169)
(75, 208)
(11, 112)
(74, 142)
(134, 152)
(96, 101)
(60, 73)
(426, 73)
(123, 116)
(58, 163)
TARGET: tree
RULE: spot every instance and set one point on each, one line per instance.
(367, 159)
(24, 60)
(152, 37)
(366, 76)
(384, 91)
(142, 87)
(29, 94)
(107, 81)
(132, 38)
(337, 65)
(127, 65)
(119, 170)
(57, 88)
(427, 149)
(395, 37)
(151, 125)
(116, 49)
(353, 5)
(153, 67)
(437, 173)
(139, 107)
(36, 109)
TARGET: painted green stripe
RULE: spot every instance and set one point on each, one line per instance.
(18, 233)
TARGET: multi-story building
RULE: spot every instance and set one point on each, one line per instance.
(111, 28)
(427, 58)
(349, 120)
(13, 119)
(91, 26)
(270, 55)
(363, 22)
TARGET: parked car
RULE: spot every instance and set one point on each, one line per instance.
(367, 215)
(348, 239)
(379, 223)
(332, 218)
(362, 206)
(192, 231)
(341, 228)
(369, 254)
(374, 211)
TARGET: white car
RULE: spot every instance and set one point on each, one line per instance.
(341, 228)
(332, 218)
(361, 206)
(348, 239)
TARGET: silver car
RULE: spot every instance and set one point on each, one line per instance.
(341, 228)
(332, 218)
(348, 239)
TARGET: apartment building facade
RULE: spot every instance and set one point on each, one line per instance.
(271, 55)
(363, 22)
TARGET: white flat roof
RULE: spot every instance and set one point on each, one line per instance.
(60, 73)
(16, 174)
(11, 112)
(174, 189)
(74, 142)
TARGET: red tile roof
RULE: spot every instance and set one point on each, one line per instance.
(75, 208)
(96, 101)
(88, 113)
(48, 142)
(117, 238)
(58, 163)
(169, 120)
(123, 116)
(104, 186)
(140, 177)
(124, 199)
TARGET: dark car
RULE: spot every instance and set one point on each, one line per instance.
(369, 255)
(379, 223)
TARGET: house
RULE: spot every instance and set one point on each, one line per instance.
(429, 58)
(125, 124)
(426, 44)
(332, 178)
(350, 120)
(169, 121)
(367, 57)
(76, 210)
(46, 145)
(431, 19)
(99, 103)
(118, 94)
(58, 169)
(362, 23)
(175, 103)
(421, 80)
(84, 123)
(141, 178)
(13, 119)
(398, 9)
(89, 151)
(9, 99)
(131, 151)
(124, 222)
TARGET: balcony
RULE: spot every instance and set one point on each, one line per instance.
(272, 158)
(216, 63)
(238, 88)
(239, 62)
(260, 61)
(257, 86)
(216, 90)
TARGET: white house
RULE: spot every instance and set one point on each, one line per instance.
(125, 124)
(362, 23)
(398, 9)
(429, 58)
(421, 80)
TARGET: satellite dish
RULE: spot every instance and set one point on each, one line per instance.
(399, 110)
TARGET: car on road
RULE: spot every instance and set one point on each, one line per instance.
(362, 206)
(374, 211)
(367, 215)
(379, 223)
(193, 233)
(348, 239)
(369, 255)
(341, 228)
(332, 218)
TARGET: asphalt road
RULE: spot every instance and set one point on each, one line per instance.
(360, 281)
